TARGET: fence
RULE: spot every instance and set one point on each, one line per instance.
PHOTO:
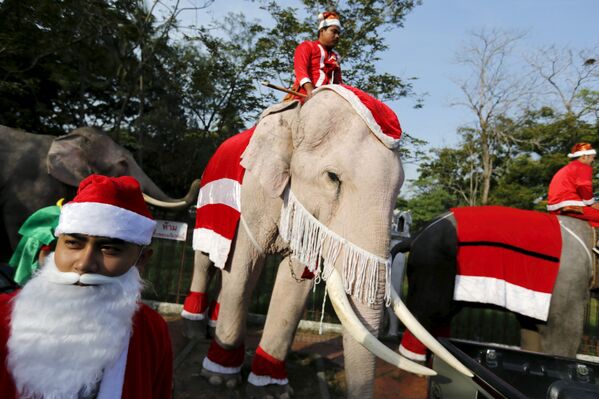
(170, 270)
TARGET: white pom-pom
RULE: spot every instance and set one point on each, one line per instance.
(320, 16)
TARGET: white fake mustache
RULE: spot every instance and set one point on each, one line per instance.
(70, 278)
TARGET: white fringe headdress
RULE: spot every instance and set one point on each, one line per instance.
(316, 246)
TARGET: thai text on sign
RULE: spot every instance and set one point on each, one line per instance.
(171, 230)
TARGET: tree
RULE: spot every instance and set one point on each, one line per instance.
(568, 77)
(428, 203)
(169, 93)
(360, 46)
(494, 93)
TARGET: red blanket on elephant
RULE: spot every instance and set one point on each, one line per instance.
(219, 200)
(507, 257)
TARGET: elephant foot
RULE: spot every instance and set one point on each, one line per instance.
(273, 391)
(230, 381)
(194, 329)
(210, 332)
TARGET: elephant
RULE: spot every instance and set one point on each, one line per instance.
(320, 166)
(431, 273)
(400, 229)
(37, 170)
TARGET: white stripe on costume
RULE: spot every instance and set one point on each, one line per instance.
(554, 207)
(193, 316)
(212, 243)
(321, 74)
(111, 386)
(217, 368)
(419, 357)
(304, 81)
(222, 191)
(502, 293)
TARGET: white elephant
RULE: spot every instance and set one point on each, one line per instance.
(319, 188)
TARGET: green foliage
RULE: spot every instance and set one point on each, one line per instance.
(524, 166)
(360, 47)
(429, 202)
(115, 64)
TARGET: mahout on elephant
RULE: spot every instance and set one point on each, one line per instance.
(37, 170)
(319, 188)
(537, 265)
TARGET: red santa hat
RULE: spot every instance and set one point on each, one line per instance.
(581, 149)
(328, 18)
(381, 119)
(108, 207)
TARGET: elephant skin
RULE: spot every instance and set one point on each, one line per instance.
(339, 171)
(431, 275)
(37, 170)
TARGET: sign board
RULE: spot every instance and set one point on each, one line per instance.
(170, 230)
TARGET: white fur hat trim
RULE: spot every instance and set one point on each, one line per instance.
(581, 153)
(325, 23)
(364, 113)
(105, 220)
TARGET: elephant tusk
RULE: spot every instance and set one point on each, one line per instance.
(179, 203)
(164, 204)
(408, 319)
(357, 330)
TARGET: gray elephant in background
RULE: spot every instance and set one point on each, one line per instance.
(37, 170)
(432, 268)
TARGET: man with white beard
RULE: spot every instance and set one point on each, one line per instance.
(77, 329)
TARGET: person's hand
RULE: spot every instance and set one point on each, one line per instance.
(309, 89)
(595, 205)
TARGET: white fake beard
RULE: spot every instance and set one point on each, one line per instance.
(63, 336)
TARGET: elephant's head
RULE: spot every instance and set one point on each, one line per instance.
(343, 174)
(87, 150)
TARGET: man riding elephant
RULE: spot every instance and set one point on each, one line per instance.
(571, 188)
(315, 63)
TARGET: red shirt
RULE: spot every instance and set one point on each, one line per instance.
(572, 185)
(312, 62)
(149, 369)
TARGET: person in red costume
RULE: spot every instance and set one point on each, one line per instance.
(315, 62)
(77, 329)
(571, 188)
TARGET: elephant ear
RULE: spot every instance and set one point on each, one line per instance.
(268, 154)
(66, 160)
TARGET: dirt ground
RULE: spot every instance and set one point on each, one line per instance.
(314, 367)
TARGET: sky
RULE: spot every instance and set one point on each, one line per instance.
(434, 33)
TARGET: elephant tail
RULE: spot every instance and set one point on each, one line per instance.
(403, 246)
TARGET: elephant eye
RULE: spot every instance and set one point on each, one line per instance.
(333, 177)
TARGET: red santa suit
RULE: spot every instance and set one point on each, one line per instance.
(149, 364)
(313, 63)
(572, 186)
